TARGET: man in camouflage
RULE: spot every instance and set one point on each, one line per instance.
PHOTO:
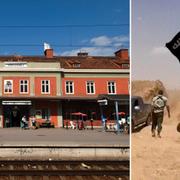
(159, 102)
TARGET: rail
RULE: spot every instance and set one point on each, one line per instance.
(64, 168)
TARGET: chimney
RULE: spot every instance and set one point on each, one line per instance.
(48, 52)
(122, 54)
(82, 54)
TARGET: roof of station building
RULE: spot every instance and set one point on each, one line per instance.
(74, 62)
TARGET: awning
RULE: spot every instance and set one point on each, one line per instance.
(54, 98)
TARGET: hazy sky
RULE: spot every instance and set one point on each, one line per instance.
(68, 14)
(155, 22)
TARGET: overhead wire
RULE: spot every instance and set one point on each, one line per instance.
(71, 26)
(56, 45)
(62, 26)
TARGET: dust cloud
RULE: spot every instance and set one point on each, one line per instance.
(156, 158)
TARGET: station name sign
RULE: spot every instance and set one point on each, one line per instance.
(16, 102)
(15, 64)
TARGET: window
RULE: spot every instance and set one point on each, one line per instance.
(90, 87)
(69, 87)
(111, 87)
(24, 86)
(125, 66)
(8, 86)
(45, 86)
(76, 65)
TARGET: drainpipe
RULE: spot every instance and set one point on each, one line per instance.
(103, 119)
(117, 117)
(102, 103)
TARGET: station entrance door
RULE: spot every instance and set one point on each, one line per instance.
(13, 114)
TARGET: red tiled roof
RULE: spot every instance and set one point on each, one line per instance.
(67, 62)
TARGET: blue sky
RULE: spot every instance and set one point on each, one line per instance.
(154, 23)
(63, 13)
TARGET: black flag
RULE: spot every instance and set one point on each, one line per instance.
(174, 45)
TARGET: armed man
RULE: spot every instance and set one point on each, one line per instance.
(159, 103)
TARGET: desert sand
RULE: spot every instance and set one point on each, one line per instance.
(156, 158)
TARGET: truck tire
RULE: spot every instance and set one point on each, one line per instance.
(148, 121)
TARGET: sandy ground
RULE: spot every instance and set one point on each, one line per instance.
(155, 158)
(158, 158)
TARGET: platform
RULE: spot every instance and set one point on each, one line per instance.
(61, 137)
(62, 144)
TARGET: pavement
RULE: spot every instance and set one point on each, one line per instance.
(62, 137)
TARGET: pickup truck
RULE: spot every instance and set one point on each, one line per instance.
(141, 112)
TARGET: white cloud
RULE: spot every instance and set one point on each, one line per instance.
(120, 39)
(93, 51)
(107, 41)
(160, 50)
(118, 44)
(101, 41)
(71, 52)
(101, 46)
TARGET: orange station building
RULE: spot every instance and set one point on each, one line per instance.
(52, 88)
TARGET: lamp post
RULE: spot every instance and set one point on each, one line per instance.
(117, 116)
(102, 103)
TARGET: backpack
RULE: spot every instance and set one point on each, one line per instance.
(159, 103)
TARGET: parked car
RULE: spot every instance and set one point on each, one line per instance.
(141, 112)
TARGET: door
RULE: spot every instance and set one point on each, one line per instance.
(13, 115)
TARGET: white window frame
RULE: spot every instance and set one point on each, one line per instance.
(90, 87)
(111, 87)
(76, 65)
(69, 87)
(23, 86)
(49, 86)
(6, 80)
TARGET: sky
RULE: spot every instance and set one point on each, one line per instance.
(71, 33)
(154, 23)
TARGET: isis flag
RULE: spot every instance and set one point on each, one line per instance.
(174, 45)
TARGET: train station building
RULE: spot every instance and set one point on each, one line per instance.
(54, 87)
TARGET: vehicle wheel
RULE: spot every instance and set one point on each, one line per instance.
(178, 127)
(148, 121)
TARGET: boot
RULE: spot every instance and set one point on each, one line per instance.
(153, 133)
(159, 135)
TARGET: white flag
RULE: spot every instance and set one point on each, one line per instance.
(46, 46)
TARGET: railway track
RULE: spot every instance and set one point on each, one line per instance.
(59, 169)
